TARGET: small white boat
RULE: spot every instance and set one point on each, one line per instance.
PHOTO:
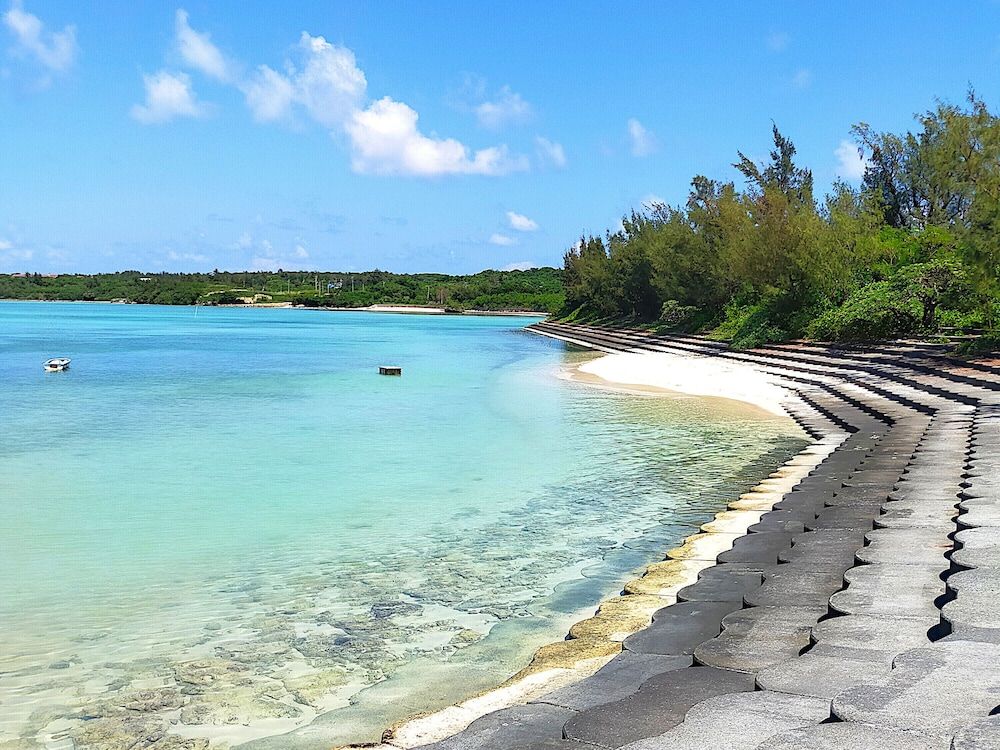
(56, 364)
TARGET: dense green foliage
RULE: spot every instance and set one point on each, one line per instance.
(535, 289)
(915, 247)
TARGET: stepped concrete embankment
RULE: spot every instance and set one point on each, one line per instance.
(859, 610)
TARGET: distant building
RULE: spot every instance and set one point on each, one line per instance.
(145, 278)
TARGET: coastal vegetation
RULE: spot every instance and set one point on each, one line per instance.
(913, 249)
(537, 289)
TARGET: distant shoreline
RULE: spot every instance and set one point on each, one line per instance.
(391, 309)
(420, 310)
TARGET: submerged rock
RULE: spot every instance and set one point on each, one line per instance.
(175, 742)
(238, 706)
(20, 744)
(204, 673)
(464, 637)
(147, 701)
(120, 733)
(383, 610)
(310, 689)
(135, 702)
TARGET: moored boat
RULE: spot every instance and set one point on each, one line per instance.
(56, 364)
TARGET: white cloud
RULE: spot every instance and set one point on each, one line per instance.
(265, 257)
(385, 140)
(851, 163)
(11, 255)
(269, 262)
(521, 223)
(509, 107)
(329, 86)
(502, 240)
(777, 41)
(261, 263)
(472, 89)
(269, 95)
(56, 50)
(244, 241)
(198, 51)
(643, 141)
(384, 137)
(550, 152)
(802, 78)
(521, 265)
(651, 201)
(168, 95)
(193, 257)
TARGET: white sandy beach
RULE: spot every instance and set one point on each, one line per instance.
(692, 375)
(421, 310)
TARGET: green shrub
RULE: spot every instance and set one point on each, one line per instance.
(674, 315)
(224, 298)
(309, 300)
(879, 310)
(746, 326)
(985, 344)
(960, 318)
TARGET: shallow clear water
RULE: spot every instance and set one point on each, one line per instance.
(226, 521)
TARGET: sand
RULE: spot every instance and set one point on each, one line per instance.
(695, 376)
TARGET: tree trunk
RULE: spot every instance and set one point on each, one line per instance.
(928, 318)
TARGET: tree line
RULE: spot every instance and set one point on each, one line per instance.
(914, 248)
(536, 289)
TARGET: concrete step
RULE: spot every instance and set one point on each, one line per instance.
(738, 721)
(882, 633)
(616, 680)
(723, 584)
(824, 672)
(509, 729)
(977, 547)
(797, 584)
(759, 637)
(680, 628)
(937, 690)
(763, 547)
(973, 614)
(845, 736)
(659, 705)
(826, 549)
(894, 590)
(905, 546)
(982, 735)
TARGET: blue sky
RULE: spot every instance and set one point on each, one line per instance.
(427, 136)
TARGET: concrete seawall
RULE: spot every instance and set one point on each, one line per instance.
(855, 607)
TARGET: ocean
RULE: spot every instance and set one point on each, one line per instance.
(223, 523)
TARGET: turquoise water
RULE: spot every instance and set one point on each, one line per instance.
(225, 520)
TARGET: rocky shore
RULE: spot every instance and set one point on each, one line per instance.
(849, 601)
